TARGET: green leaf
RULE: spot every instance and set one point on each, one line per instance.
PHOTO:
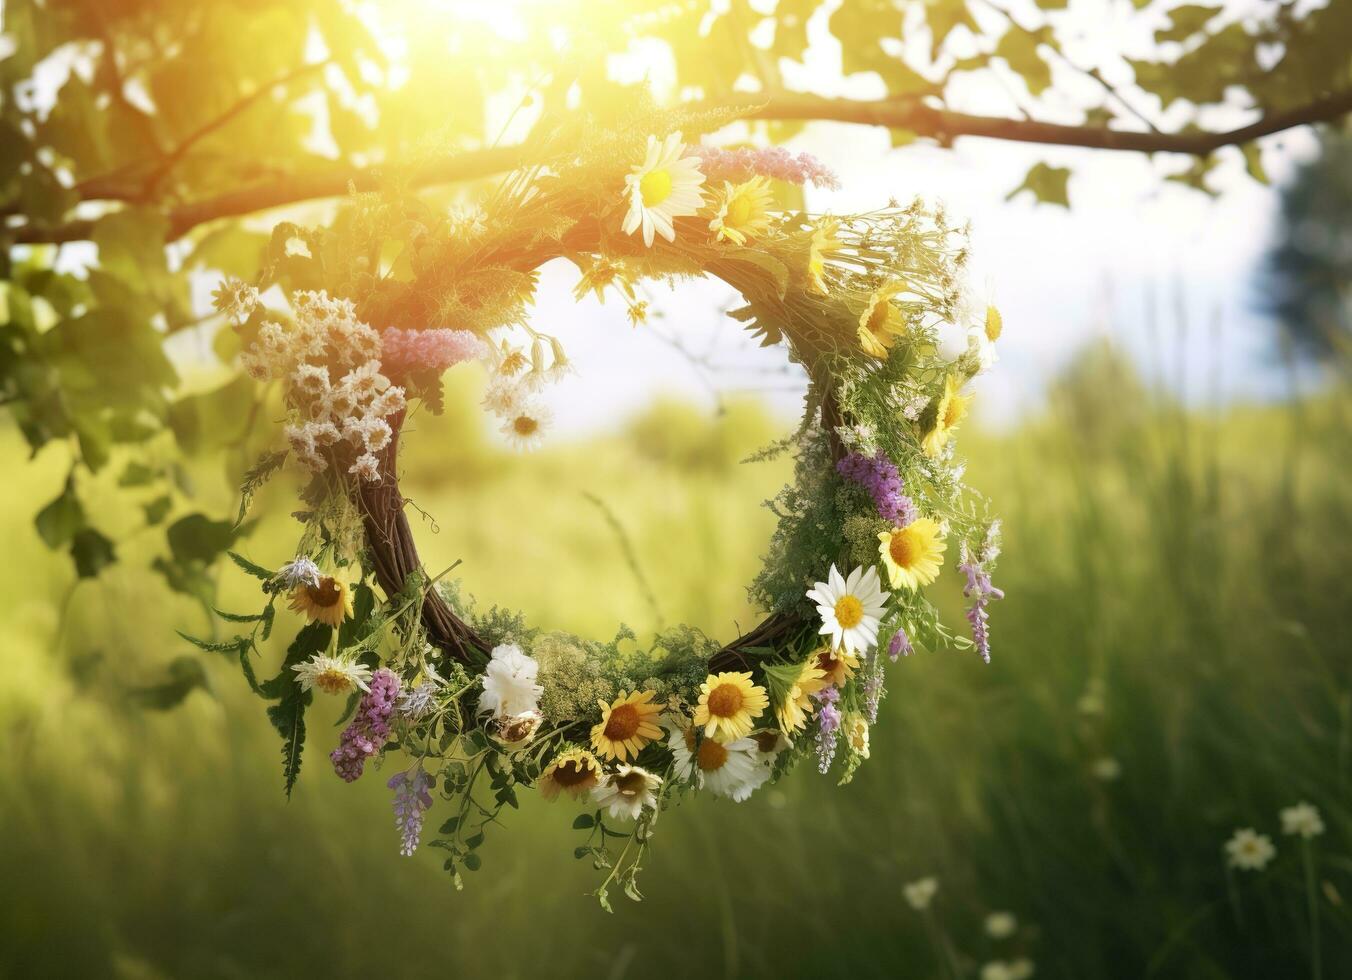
(92, 552)
(1047, 184)
(472, 862)
(60, 520)
(1186, 21)
(158, 509)
(288, 714)
(186, 675)
(449, 826)
(216, 419)
(1019, 49)
(254, 569)
(582, 821)
(198, 538)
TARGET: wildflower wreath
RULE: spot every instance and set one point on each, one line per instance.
(479, 705)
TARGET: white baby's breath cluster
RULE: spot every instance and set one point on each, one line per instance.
(329, 362)
(235, 299)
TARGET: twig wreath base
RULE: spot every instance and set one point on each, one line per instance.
(478, 705)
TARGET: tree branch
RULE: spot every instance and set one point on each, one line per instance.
(908, 113)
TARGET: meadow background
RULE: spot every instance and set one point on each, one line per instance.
(1177, 598)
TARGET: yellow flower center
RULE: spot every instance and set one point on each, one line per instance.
(623, 723)
(655, 187)
(725, 700)
(326, 594)
(739, 211)
(904, 549)
(849, 611)
(524, 425)
(332, 681)
(630, 784)
(994, 324)
(712, 755)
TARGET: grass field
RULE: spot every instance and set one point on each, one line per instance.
(1171, 663)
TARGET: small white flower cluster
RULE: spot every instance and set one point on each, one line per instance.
(1249, 850)
(515, 380)
(511, 694)
(330, 363)
(235, 299)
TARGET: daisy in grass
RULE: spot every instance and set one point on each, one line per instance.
(664, 187)
(627, 724)
(1303, 820)
(574, 771)
(526, 424)
(912, 554)
(333, 675)
(328, 602)
(1249, 850)
(742, 211)
(850, 608)
(626, 791)
(796, 706)
(728, 705)
(881, 322)
(823, 243)
(952, 409)
(509, 683)
(837, 666)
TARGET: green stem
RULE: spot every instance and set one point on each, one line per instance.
(1312, 898)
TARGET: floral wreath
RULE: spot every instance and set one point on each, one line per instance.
(483, 704)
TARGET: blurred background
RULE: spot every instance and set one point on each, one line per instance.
(1161, 206)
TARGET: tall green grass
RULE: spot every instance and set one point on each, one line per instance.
(1184, 575)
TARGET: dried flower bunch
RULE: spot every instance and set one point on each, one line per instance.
(474, 707)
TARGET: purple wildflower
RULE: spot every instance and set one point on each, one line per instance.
(828, 716)
(365, 735)
(879, 476)
(411, 801)
(771, 161)
(980, 590)
(404, 352)
(899, 645)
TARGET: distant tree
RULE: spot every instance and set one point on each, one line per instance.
(1310, 267)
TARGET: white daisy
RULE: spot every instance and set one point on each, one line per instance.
(525, 427)
(664, 187)
(509, 683)
(332, 675)
(626, 791)
(1302, 819)
(366, 467)
(503, 395)
(1249, 850)
(851, 608)
(920, 893)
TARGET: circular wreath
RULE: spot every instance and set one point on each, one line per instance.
(483, 705)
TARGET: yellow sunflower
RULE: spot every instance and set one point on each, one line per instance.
(881, 322)
(837, 666)
(328, 602)
(742, 211)
(952, 409)
(913, 554)
(796, 707)
(728, 704)
(626, 725)
(574, 771)
(824, 242)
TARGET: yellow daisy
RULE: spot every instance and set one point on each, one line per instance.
(728, 704)
(824, 242)
(796, 707)
(856, 734)
(952, 409)
(574, 771)
(602, 273)
(881, 322)
(913, 554)
(328, 602)
(627, 724)
(742, 211)
(665, 186)
(837, 666)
